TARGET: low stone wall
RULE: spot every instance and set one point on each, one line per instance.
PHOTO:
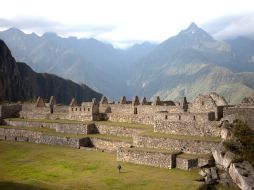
(108, 144)
(186, 163)
(73, 128)
(145, 157)
(40, 138)
(117, 130)
(185, 145)
(188, 128)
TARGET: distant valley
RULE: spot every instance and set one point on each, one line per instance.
(188, 64)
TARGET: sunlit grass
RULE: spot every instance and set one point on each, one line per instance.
(53, 167)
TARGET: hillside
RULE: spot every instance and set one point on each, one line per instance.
(192, 63)
(88, 61)
(19, 82)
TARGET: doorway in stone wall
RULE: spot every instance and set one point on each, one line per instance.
(51, 110)
(135, 110)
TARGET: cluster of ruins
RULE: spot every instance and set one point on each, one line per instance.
(176, 134)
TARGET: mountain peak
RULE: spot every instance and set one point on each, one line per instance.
(14, 30)
(193, 31)
(193, 26)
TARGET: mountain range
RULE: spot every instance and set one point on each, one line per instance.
(188, 64)
(18, 82)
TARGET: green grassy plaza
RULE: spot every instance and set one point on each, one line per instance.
(36, 166)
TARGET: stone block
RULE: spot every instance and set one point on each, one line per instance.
(228, 159)
(186, 163)
(214, 173)
(218, 155)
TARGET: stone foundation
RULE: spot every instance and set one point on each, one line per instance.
(147, 157)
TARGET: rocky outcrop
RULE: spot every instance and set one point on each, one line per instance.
(223, 158)
(18, 82)
(243, 175)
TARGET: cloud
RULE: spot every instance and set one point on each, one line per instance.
(231, 26)
(41, 25)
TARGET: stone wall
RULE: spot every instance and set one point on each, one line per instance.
(146, 157)
(186, 163)
(10, 110)
(144, 119)
(117, 130)
(188, 128)
(138, 113)
(73, 128)
(244, 113)
(185, 117)
(30, 111)
(108, 144)
(40, 138)
(185, 145)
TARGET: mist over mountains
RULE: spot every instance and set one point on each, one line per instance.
(188, 64)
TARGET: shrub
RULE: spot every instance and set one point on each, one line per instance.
(242, 142)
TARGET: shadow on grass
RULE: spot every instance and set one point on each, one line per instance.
(7, 185)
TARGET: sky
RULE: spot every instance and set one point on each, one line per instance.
(125, 22)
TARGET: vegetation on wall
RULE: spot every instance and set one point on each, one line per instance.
(242, 142)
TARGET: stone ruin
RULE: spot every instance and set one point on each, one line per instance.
(206, 116)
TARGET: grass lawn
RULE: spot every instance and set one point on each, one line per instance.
(33, 166)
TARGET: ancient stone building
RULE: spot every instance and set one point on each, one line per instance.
(243, 111)
(204, 108)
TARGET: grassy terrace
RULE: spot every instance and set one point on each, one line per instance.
(26, 166)
(183, 137)
(52, 132)
(50, 121)
(110, 123)
(125, 124)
